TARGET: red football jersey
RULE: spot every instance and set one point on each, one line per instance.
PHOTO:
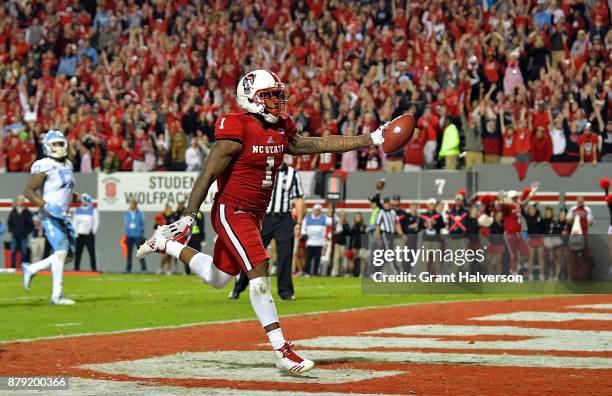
(248, 181)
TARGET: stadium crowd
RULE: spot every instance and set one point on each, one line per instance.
(515, 233)
(137, 85)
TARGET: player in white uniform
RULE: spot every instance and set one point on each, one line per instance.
(53, 175)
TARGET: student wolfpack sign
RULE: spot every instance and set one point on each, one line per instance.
(152, 190)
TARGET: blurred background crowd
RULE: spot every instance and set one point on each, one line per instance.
(137, 85)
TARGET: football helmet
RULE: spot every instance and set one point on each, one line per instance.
(262, 92)
(55, 145)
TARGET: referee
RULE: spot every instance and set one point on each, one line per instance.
(386, 227)
(279, 225)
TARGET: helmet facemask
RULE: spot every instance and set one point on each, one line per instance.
(58, 149)
(274, 102)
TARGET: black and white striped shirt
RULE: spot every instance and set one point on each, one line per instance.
(386, 220)
(287, 186)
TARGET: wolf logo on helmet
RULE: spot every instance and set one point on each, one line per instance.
(247, 82)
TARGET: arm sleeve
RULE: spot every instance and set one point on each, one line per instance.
(40, 166)
(297, 191)
(229, 127)
(96, 221)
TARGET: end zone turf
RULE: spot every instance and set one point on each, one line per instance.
(465, 347)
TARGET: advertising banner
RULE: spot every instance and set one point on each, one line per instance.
(152, 190)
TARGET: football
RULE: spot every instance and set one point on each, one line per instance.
(398, 133)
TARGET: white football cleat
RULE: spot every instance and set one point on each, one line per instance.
(27, 276)
(288, 360)
(61, 300)
(157, 243)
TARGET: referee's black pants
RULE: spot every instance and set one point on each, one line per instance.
(280, 228)
(88, 241)
(388, 244)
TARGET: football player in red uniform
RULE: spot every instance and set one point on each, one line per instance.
(247, 153)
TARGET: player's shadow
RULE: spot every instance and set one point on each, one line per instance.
(340, 360)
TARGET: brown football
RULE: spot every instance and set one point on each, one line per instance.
(398, 133)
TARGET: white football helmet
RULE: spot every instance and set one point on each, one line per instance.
(55, 145)
(262, 92)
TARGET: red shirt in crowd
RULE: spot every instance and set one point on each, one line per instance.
(327, 162)
(508, 145)
(413, 153)
(15, 158)
(522, 140)
(113, 143)
(588, 144)
(490, 69)
(306, 162)
(28, 156)
(541, 148)
(125, 159)
(429, 125)
(540, 119)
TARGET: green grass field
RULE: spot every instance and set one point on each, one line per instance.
(121, 302)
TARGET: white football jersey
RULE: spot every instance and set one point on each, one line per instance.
(59, 184)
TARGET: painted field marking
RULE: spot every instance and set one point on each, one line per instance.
(542, 339)
(68, 324)
(244, 364)
(96, 387)
(229, 365)
(552, 343)
(593, 306)
(533, 316)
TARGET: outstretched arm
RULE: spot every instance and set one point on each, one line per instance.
(329, 144)
(221, 154)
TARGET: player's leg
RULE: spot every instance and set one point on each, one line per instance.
(60, 244)
(239, 234)
(265, 309)
(267, 231)
(199, 263)
(241, 284)
(29, 270)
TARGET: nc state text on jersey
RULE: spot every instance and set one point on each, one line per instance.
(278, 148)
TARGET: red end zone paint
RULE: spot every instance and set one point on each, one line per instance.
(67, 356)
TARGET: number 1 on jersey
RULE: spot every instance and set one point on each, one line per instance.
(267, 181)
